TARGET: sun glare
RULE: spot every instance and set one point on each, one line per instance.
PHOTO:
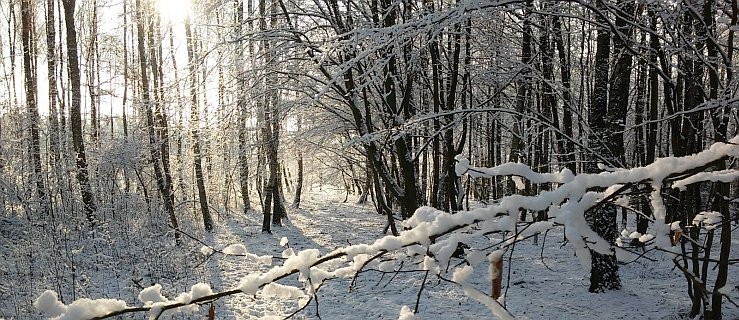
(173, 11)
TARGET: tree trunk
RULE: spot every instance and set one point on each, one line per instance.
(165, 189)
(194, 126)
(160, 115)
(124, 114)
(242, 106)
(31, 88)
(567, 104)
(52, 79)
(720, 118)
(92, 81)
(395, 103)
(604, 270)
(299, 181)
(75, 118)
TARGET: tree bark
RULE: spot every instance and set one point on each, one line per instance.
(299, 179)
(194, 129)
(567, 103)
(31, 88)
(51, 65)
(242, 106)
(165, 189)
(75, 118)
(92, 81)
(604, 267)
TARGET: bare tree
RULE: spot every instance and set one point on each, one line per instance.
(241, 99)
(604, 272)
(31, 87)
(163, 184)
(194, 129)
(75, 118)
(51, 64)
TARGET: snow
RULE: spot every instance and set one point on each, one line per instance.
(645, 238)
(282, 291)
(494, 306)
(88, 308)
(709, 219)
(235, 249)
(152, 294)
(200, 290)
(727, 289)
(322, 229)
(651, 290)
(460, 275)
(721, 176)
(48, 302)
(206, 251)
(406, 314)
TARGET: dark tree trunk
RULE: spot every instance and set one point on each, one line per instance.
(720, 119)
(523, 92)
(52, 79)
(160, 116)
(165, 188)
(194, 129)
(265, 126)
(31, 88)
(124, 114)
(92, 82)
(604, 270)
(75, 117)
(299, 182)
(567, 120)
(299, 179)
(242, 106)
(396, 99)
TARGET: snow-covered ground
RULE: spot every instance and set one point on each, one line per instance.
(541, 281)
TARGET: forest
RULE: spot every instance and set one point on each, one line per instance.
(346, 142)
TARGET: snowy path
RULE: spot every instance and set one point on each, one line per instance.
(325, 223)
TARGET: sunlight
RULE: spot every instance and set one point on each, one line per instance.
(174, 11)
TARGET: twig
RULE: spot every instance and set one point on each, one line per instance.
(420, 290)
(541, 254)
(315, 296)
(299, 309)
(394, 274)
(356, 275)
(639, 256)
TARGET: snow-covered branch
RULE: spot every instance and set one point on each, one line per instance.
(435, 235)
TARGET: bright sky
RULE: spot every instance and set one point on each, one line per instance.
(174, 11)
